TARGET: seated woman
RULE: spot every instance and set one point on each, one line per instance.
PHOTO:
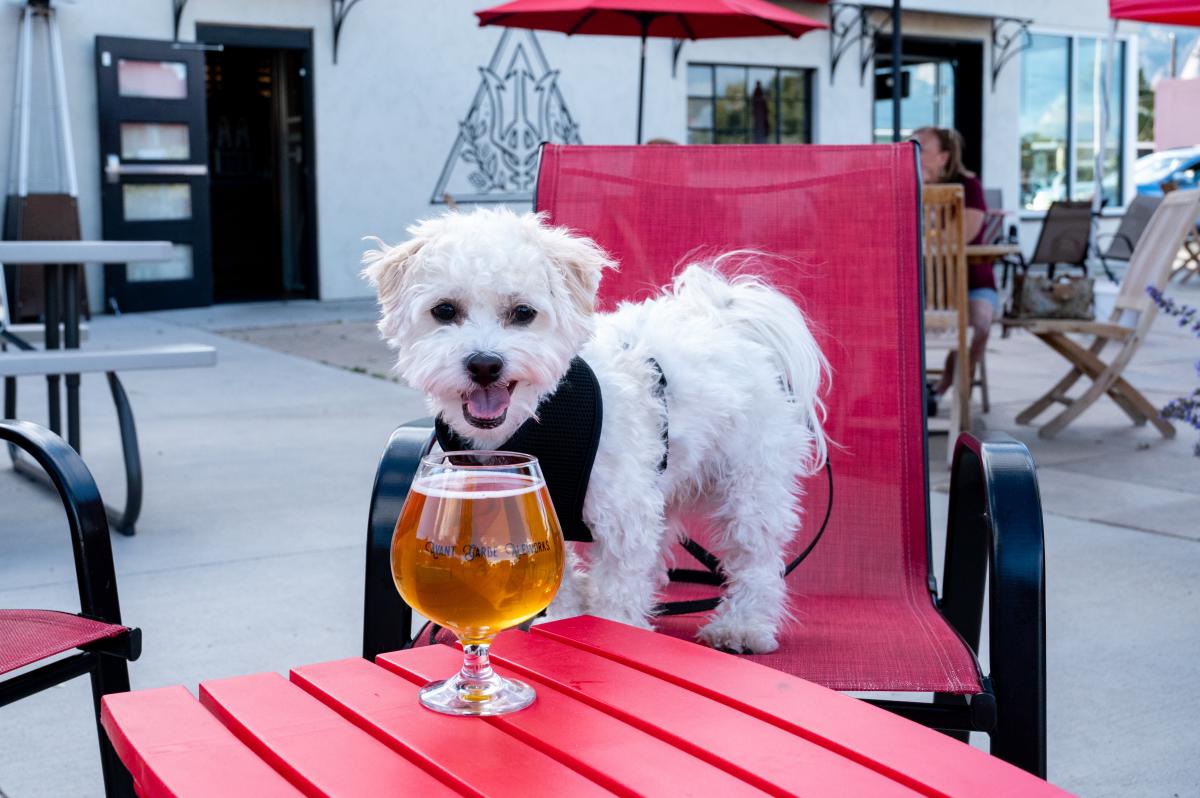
(941, 162)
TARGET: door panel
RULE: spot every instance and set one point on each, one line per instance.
(154, 157)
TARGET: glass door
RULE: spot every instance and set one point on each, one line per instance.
(154, 159)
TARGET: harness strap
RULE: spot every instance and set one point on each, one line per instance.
(713, 574)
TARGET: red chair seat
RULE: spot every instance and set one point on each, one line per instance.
(32, 635)
(856, 642)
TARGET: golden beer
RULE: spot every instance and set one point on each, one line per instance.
(477, 551)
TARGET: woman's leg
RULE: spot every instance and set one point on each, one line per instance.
(979, 315)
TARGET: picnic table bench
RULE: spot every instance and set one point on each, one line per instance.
(62, 327)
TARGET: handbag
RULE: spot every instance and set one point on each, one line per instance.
(1039, 297)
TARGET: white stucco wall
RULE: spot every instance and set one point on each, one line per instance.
(387, 113)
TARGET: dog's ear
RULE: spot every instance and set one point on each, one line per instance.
(385, 268)
(580, 260)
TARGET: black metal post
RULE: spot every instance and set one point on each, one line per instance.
(52, 314)
(896, 69)
(642, 79)
(70, 315)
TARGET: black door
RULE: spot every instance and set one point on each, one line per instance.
(154, 158)
(260, 152)
(941, 86)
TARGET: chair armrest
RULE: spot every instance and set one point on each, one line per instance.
(85, 515)
(387, 620)
(995, 530)
(1112, 238)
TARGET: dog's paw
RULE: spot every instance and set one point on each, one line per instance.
(738, 638)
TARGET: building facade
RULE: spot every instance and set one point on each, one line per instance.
(293, 155)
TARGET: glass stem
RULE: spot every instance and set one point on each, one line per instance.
(477, 668)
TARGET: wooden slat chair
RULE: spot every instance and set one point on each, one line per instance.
(1127, 326)
(945, 263)
(102, 644)
(845, 222)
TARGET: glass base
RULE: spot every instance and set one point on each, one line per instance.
(492, 695)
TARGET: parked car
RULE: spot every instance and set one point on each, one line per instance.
(1180, 166)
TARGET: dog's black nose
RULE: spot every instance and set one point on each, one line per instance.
(484, 368)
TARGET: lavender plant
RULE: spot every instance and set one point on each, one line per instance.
(1182, 408)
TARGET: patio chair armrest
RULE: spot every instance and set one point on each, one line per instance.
(85, 515)
(995, 530)
(386, 618)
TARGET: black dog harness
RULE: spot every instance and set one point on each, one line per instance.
(564, 438)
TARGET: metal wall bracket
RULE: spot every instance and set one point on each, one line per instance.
(179, 4)
(1010, 36)
(850, 23)
(341, 9)
(676, 47)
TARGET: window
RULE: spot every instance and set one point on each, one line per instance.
(748, 105)
(1060, 120)
(926, 97)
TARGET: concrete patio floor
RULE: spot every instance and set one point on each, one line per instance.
(249, 552)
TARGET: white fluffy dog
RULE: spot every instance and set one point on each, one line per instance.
(486, 311)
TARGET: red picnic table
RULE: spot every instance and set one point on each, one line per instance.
(618, 710)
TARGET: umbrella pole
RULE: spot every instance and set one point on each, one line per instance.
(897, 55)
(1101, 139)
(641, 83)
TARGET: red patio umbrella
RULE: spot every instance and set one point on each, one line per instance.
(673, 19)
(1162, 12)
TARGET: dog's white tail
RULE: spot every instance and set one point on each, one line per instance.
(767, 316)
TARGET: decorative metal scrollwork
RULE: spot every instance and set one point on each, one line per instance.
(1009, 37)
(850, 23)
(676, 47)
(517, 107)
(178, 4)
(341, 8)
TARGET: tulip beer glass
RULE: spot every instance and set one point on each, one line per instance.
(477, 549)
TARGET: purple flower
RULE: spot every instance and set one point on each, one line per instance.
(1181, 408)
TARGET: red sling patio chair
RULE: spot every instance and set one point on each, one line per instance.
(845, 220)
(104, 645)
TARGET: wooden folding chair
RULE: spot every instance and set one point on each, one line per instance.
(946, 306)
(1127, 325)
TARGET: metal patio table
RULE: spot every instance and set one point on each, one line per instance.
(61, 262)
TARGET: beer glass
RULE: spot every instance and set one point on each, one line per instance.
(477, 549)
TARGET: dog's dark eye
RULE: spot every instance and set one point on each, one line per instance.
(444, 312)
(522, 315)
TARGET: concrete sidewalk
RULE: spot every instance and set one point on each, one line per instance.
(258, 475)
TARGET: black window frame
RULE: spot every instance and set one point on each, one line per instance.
(806, 74)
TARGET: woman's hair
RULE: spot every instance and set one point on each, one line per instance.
(951, 142)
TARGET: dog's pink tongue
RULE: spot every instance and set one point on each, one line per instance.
(488, 402)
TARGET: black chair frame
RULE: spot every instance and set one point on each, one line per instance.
(1055, 249)
(105, 661)
(122, 520)
(1119, 246)
(994, 538)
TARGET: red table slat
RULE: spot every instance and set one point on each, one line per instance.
(174, 747)
(925, 759)
(478, 758)
(623, 758)
(312, 744)
(762, 754)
